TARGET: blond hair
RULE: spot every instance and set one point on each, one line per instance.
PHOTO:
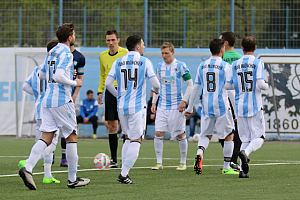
(167, 45)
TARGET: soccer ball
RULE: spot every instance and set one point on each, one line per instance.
(102, 161)
(196, 137)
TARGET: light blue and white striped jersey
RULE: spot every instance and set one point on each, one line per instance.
(38, 88)
(171, 81)
(211, 74)
(59, 57)
(131, 72)
(244, 74)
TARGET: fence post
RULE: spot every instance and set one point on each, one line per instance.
(252, 21)
(20, 26)
(218, 21)
(60, 12)
(52, 22)
(118, 19)
(145, 22)
(232, 15)
(150, 32)
(184, 26)
(84, 26)
(287, 27)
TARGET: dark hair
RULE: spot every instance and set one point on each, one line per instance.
(64, 31)
(112, 32)
(89, 92)
(215, 46)
(51, 44)
(248, 43)
(132, 41)
(229, 37)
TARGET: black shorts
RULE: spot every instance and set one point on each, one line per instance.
(111, 112)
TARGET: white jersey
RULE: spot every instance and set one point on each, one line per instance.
(244, 74)
(211, 74)
(131, 72)
(38, 88)
(58, 94)
(171, 81)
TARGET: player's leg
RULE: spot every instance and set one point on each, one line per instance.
(126, 143)
(94, 121)
(63, 162)
(161, 126)
(192, 126)
(183, 146)
(237, 146)
(111, 116)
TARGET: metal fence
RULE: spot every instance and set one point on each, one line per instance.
(185, 23)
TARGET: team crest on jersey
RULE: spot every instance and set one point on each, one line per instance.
(69, 115)
(75, 63)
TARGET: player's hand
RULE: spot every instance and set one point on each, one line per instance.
(99, 99)
(187, 114)
(153, 108)
(79, 82)
(74, 98)
(181, 106)
(74, 73)
(152, 116)
(86, 120)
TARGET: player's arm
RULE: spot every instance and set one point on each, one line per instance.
(42, 71)
(101, 82)
(188, 79)
(228, 77)
(110, 79)
(95, 110)
(193, 97)
(80, 73)
(260, 77)
(27, 86)
(77, 89)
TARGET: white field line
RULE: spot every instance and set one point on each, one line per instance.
(94, 169)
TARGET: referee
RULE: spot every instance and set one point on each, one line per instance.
(107, 58)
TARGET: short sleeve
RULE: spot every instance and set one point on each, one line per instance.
(149, 69)
(228, 73)
(260, 71)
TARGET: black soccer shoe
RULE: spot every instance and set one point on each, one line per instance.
(113, 164)
(79, 182)
(245, 161)
(27, 178)
(125, 180)
(235, 166)
(243, 175)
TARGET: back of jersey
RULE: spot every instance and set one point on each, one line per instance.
(245, 73)
(58, 94)
(211, 74)
(130, 72)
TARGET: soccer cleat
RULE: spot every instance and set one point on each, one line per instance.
(235, 166)
(50, 180)
(27, 178)
(229, 171)
(198, 164)
(94, 136)
(79, 182)
(113, 164)
(245, 161)
(125, 180)
(243, 175)
(181, 166)
(22, 164)
(157, 166)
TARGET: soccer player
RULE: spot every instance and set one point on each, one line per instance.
(88, 111)
(230, 56)
(79, 63)
(211, 75)
(131, 72)
(247, 79)
(170, 116)
(36, 87)
(58, 108)
(111, 114)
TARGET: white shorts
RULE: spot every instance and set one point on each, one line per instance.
(134, 125)
(251, 128)
(38, 133)
(223, 125)
(63, 117)
(171, 121)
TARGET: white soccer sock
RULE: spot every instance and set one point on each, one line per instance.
(125, 149)
(131, 157)
(158, 146)
(243, 147)
(183, 145)
(47, 165)
(72, 158)
(35, 154)
(49, 150)
(227, 151)
(254, 145)
(204, 142)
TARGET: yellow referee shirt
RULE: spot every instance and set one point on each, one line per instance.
(106, 62)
